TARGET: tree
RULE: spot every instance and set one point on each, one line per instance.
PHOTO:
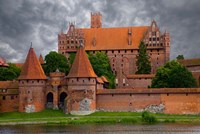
(101, 66)
(55, 61)
(143, 63)
(173, 75)
(180, 57)
(10, 73)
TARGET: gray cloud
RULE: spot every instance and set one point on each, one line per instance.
(25, 21)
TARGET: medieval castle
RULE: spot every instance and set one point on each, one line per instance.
(83, 92)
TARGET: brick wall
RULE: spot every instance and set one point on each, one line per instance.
(170, 101)
(9, 103)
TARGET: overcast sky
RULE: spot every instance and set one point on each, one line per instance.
(40, 21)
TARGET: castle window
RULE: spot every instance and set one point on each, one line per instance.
(186, 94)
(112, 51)
(121, 65)
(158, 53)
(72, 81)
(167, 94)
(125, 51)
(4, 97)
(112, 95)
(28, 92)
(32, 81)
(115, 55)
(154, 44)
(113, 65)
(38, 81)
(157, 50)
(149, 39)
(148, 94)
(118, 51)
(106, 51)
(147, 45)
(72, 42)
(93, 52)
(27, 81)
(89, 79)
(12, 97)
(130, 94)
(161, 44)
(157, 39)
(77, 79)
(83, 81)
(131, 51)
(154, 39)
(67, 41)
(63, 42)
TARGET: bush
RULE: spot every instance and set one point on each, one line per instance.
(147, 118)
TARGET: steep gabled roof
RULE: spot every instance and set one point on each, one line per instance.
(81, 66)
(113, 38)
(32, 68)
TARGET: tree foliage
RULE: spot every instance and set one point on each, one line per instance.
(173, 75)
(10, 73)
(55, 61)
(143, 63)
(101, 66)
(180, 57)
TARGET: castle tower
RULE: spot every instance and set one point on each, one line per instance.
(166, 43)
(41, 60)
(81, 85)
(96, 21)
(32, 82)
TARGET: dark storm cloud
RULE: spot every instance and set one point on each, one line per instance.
(25, 21)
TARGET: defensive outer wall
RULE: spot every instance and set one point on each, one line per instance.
(165, 100)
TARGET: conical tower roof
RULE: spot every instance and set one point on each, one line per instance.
(81, 66)
(32, 68)
(41, 60)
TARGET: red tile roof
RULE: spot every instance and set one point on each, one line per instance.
(8, 84)
(99, 80)
(190, 62)
(104, 79)
(19, 65)
(32, 68)
(81, 66)
(114, 38)
(3, 63)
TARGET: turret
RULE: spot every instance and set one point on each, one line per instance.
(81, 85)
(166, 42)
(96, 21)
(32, 81)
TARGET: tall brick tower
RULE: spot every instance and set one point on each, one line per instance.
(81, 85)
(32, 82)
(96, 21)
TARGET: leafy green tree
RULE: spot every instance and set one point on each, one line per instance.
(173, 75)
(71, 58)
(101, 66)
(180, 57)
(55, 61)
(143, 63)
(10, 73)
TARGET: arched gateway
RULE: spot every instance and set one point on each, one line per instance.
(62, 97)
(49, 100)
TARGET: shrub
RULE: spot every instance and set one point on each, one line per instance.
(147, 118)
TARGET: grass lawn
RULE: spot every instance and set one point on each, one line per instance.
(58, 117)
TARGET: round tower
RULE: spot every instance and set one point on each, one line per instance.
(81, 86)
(32, 81)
